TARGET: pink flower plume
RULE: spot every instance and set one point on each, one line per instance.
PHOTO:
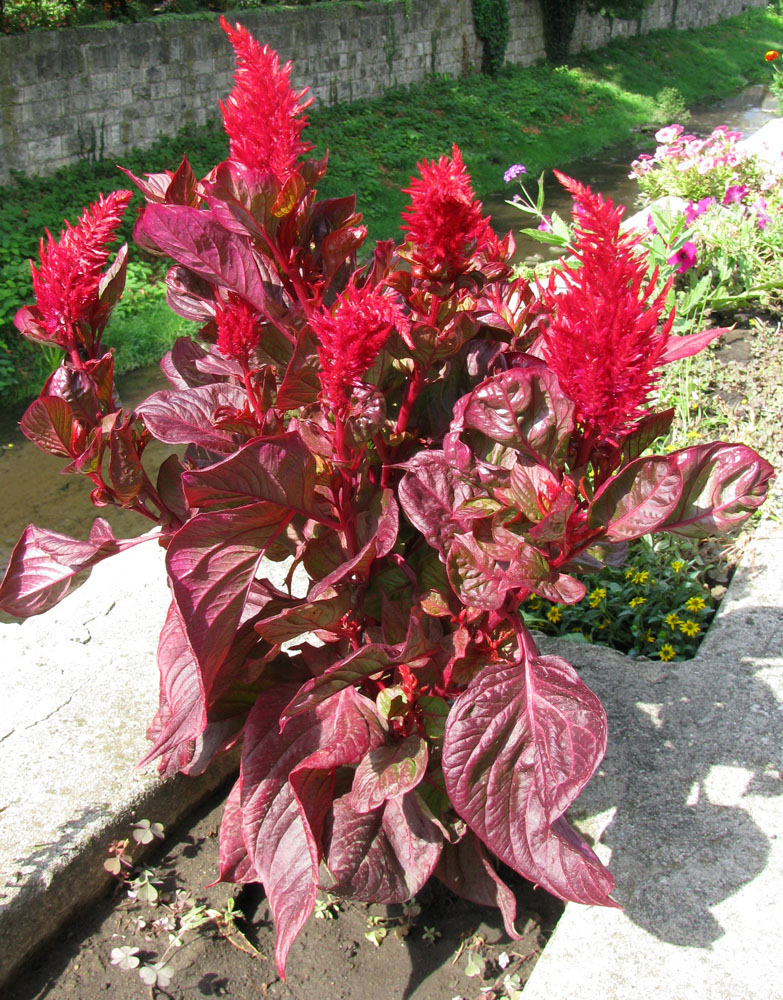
(603, 339)
(444, 221)
(66, 282)
(351, 335)
(263, 116)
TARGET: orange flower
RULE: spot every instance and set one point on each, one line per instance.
(772, 55)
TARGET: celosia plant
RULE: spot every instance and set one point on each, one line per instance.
(432, 443)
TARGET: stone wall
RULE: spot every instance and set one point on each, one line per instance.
(87, 93)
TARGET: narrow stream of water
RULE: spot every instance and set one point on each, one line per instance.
(34, 492)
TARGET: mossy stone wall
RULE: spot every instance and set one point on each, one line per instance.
(87, 93)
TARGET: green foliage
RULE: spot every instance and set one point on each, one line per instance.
(541, 115)
(492, 28)
(658, 604)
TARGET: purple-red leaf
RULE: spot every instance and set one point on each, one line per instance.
(521, 742)
(201, 244)
(212, 562)
(388, 772)
(43, 566)
(523, 409)
(182, 714)
(186, 416)
(305, 617)
(48, 422)
(235, 863)
(354, 668)
(383, 856)
(722, 485)
(287, 781)
(465, 868)
(638, 499)
(430, 493)
(281, 470)
(381, 525)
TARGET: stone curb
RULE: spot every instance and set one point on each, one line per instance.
(80, 688)
(687, 809)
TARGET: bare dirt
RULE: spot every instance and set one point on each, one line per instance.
(423, 955)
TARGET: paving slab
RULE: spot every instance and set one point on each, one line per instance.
(688, 806)
(80, 687)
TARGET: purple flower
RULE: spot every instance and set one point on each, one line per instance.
(651, 226)
(545, 225)
(513, 172)
(693, 211)
(685, 257)
(734, 194)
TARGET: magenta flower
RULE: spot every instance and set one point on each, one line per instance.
(350, 335)
(763, 219)
(684, 258)
(694, 210)
(444, 221)
(735, 193)
(545, 225)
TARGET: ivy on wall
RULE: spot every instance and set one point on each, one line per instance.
(492, 28)
(559, 18)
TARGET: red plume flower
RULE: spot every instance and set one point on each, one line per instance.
(351, 335)
(238, 329)
(603, 339)
(66, 283)
(444, 221)
(263, 116)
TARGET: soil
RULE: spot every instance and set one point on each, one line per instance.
(423, 955)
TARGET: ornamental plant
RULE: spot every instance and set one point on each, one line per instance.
(431, 441)
(694, 168)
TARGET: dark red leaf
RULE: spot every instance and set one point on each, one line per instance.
(521, 742)
(48, 422)
(722, 485)
(187, 416)
(638, 499)
(523, 409)
(387, 772)
(465, 868)
(287, 780)
(212, 561)
(44, 564)
(383, 856)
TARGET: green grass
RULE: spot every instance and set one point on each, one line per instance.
(542, 116)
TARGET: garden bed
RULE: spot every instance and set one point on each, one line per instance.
(350, 953)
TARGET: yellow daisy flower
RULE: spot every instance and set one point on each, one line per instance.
(667, 652)
(554, 614)
(690, 628)
(642, 577)
(635, 602)
(677, 565)
(596, 596)
(672, 620)
(695, 604)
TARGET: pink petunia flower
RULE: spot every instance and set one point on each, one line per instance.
(763, 218)
(684, 258)
(695, 209)
(735, 194)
